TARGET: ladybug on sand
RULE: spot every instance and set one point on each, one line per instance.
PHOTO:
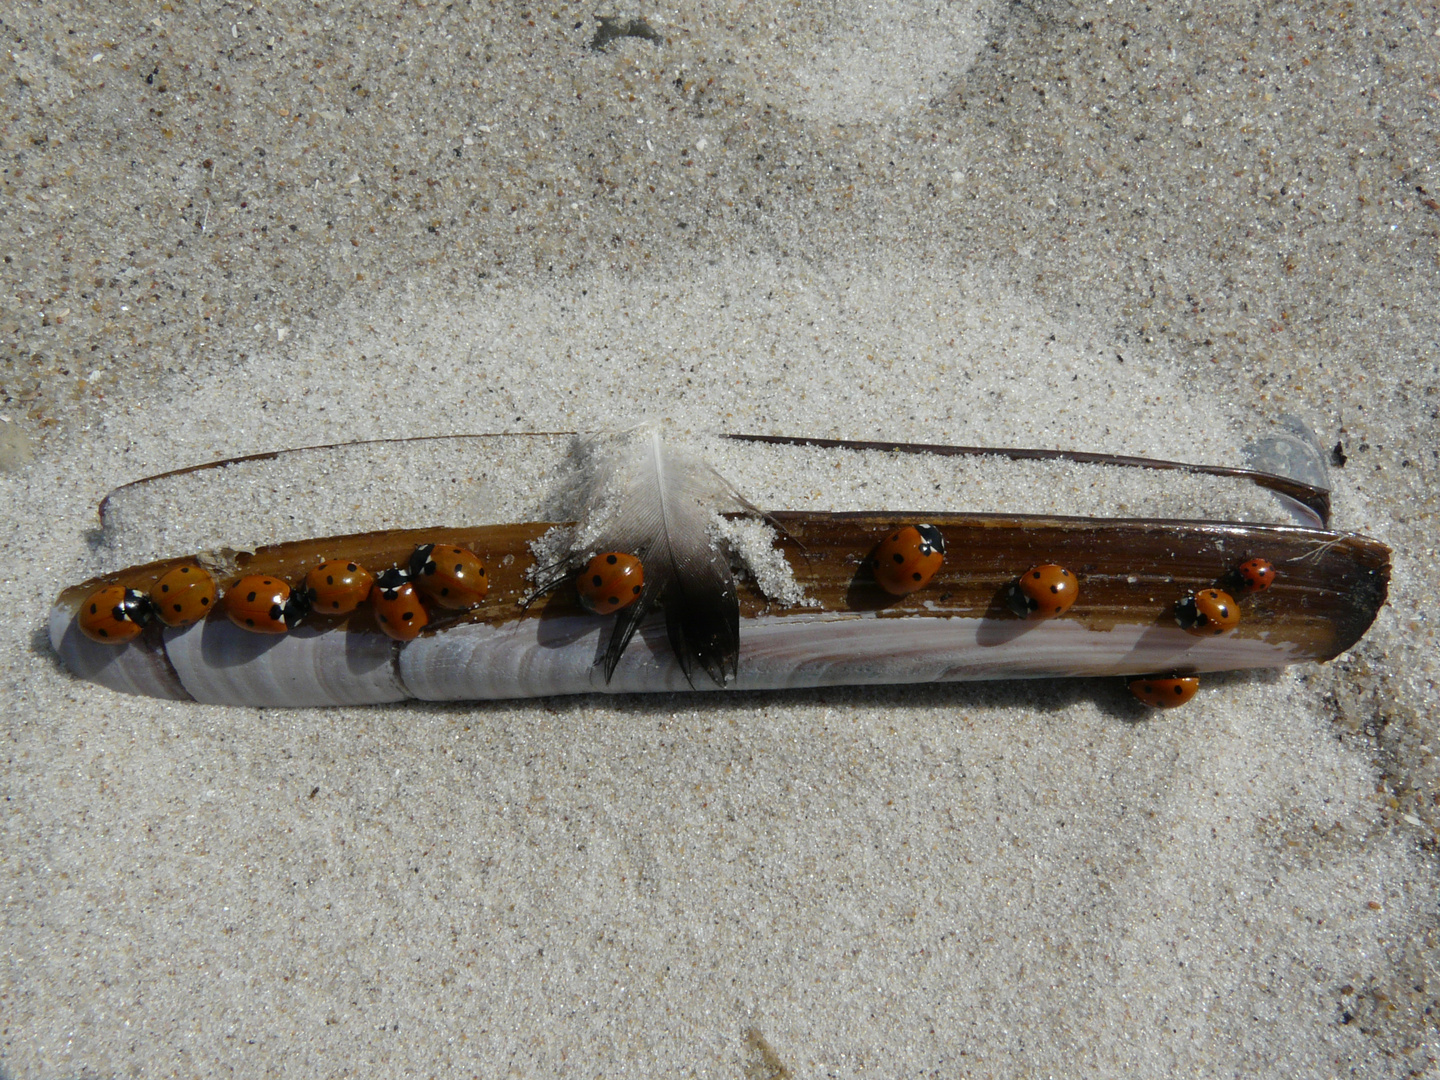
(183, 596)
(265, 605)
(453, 577)
(397, 605)
(1255, 575)
(1043, 592)
(338, 587)
(610, 581)
(908, 558)
(1165, 693)
(1208, 613)
(114, 614)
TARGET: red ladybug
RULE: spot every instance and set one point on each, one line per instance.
(183, 596)
(1208, 613)
(338, 587)
(610, 581)
(114, 614)
(397, 605)
(452, 577)
(1256, 575)
(264, 604)
(908, 558)
(1165, 693)
(1044, 592)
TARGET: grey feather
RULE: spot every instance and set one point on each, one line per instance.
(660, 503)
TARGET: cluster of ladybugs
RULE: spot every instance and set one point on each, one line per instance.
(448, 577)
(908, 558)
(453, 578)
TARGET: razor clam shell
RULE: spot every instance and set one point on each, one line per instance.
(1309, 499)
(1132, 573)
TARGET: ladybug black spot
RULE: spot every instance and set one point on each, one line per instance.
(898, 557)
(611, 559)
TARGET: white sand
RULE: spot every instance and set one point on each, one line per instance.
(1201, 224)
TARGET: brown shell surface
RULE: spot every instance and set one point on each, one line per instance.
(1329, 591)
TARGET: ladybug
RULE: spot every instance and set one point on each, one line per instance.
(1255, 575)
(610, 581)
(452, 577)
(114, 614)
(183, 596)
(908, 558)
(337, 587)
(1209, 612)
(397, 605)
(1165, 693)
(265, 604)
(1043, 592)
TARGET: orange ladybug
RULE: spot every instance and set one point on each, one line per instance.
(1256, 575)
(1208, 613)
(183, 596)
(908, 558)
(1044, 592)
(1165, 693)
(610, 581)
(397, 605)
(337, 587)
(264, 604)
(114, 614)
(452, 577)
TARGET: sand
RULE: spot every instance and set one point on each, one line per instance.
(1098, 227)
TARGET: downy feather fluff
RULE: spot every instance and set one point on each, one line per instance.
(658, 502)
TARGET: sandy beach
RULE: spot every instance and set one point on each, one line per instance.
(1101, 227)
